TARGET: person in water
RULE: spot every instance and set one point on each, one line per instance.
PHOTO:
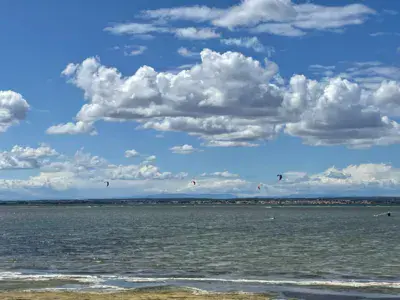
(388, 214)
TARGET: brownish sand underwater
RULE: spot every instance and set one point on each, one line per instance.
(134, 295)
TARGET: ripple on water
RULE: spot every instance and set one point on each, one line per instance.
(230, 242)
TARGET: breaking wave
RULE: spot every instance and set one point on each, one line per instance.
(106, 280)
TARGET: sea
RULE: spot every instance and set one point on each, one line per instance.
(304, 252)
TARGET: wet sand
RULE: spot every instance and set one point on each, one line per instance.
(131, 295)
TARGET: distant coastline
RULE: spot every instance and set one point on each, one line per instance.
(339, 201)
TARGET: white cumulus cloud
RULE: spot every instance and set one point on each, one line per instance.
(13, 109)
(131, 153)
(364, 179)
(192, 33)
(84, 174)
(184, 149)
(187, 53)
(232, 100)
(79, 127)
(20, 157)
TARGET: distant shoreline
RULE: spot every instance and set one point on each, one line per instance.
(339, 201)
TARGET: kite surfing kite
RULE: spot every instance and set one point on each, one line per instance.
(107, 183)
(279, 179)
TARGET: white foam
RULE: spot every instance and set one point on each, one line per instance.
(197, 291)
(352, 283)
(94, 288)
(42, 277)
(97, 281)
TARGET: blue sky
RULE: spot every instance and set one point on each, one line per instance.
(308, 89)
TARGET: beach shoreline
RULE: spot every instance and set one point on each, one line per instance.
(129, 295)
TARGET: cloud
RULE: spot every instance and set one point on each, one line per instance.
(220, 108)
(144, 30)
(128, 50)
(381, 72)
(131, 153)
(25, 157)
(138, 50)
(192, 33)
(187, 53)
(252, 12)
(327, 71)
(210, 185)
(364, 179)
(281, 29)
(311, 16)
(13, 109)
(184, 149)
(69, 69)
(375, 34)
(91, 170)
(10, 162)
(369, 74)
(224, 174)
(82, 163)
(387, 97)
(43, 150)
(390, 12)
(79, 127)
(276, 17)
(246, 42)
(320, 67)
(279, 17)
(83, 174)
(225, 144)
(192, 13)
(336, 116)
(149, 159)
(232, 100)
(132, 172)
(134, 28)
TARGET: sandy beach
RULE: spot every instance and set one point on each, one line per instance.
(131, 295)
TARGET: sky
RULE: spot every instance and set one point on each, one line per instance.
(150, 95)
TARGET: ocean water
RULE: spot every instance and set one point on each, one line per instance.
(303, 252)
